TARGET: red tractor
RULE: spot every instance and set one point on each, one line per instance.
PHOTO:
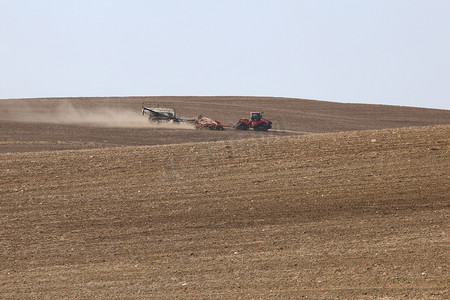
(257, 122)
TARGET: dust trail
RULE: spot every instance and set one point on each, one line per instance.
(66, 113)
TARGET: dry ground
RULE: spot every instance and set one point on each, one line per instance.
(361, 214)
(63, 124)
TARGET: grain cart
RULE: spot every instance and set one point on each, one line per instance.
(158, 114)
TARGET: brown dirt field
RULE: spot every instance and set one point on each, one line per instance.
(61, 124)
(358, 214)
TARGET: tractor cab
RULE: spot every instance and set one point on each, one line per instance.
(256, 116)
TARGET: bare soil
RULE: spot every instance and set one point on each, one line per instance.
(86, 123)
(361, 214)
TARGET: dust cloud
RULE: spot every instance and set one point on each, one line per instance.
(66, 113)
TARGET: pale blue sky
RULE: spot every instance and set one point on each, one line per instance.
(367, 51)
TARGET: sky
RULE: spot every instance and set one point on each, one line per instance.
(393, 52)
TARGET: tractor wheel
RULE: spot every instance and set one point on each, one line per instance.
(261, 127)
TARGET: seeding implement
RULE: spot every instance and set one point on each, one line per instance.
(157, 114)
(207, 123)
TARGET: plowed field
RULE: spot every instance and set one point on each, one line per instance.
(358, 214)
(87, 123)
